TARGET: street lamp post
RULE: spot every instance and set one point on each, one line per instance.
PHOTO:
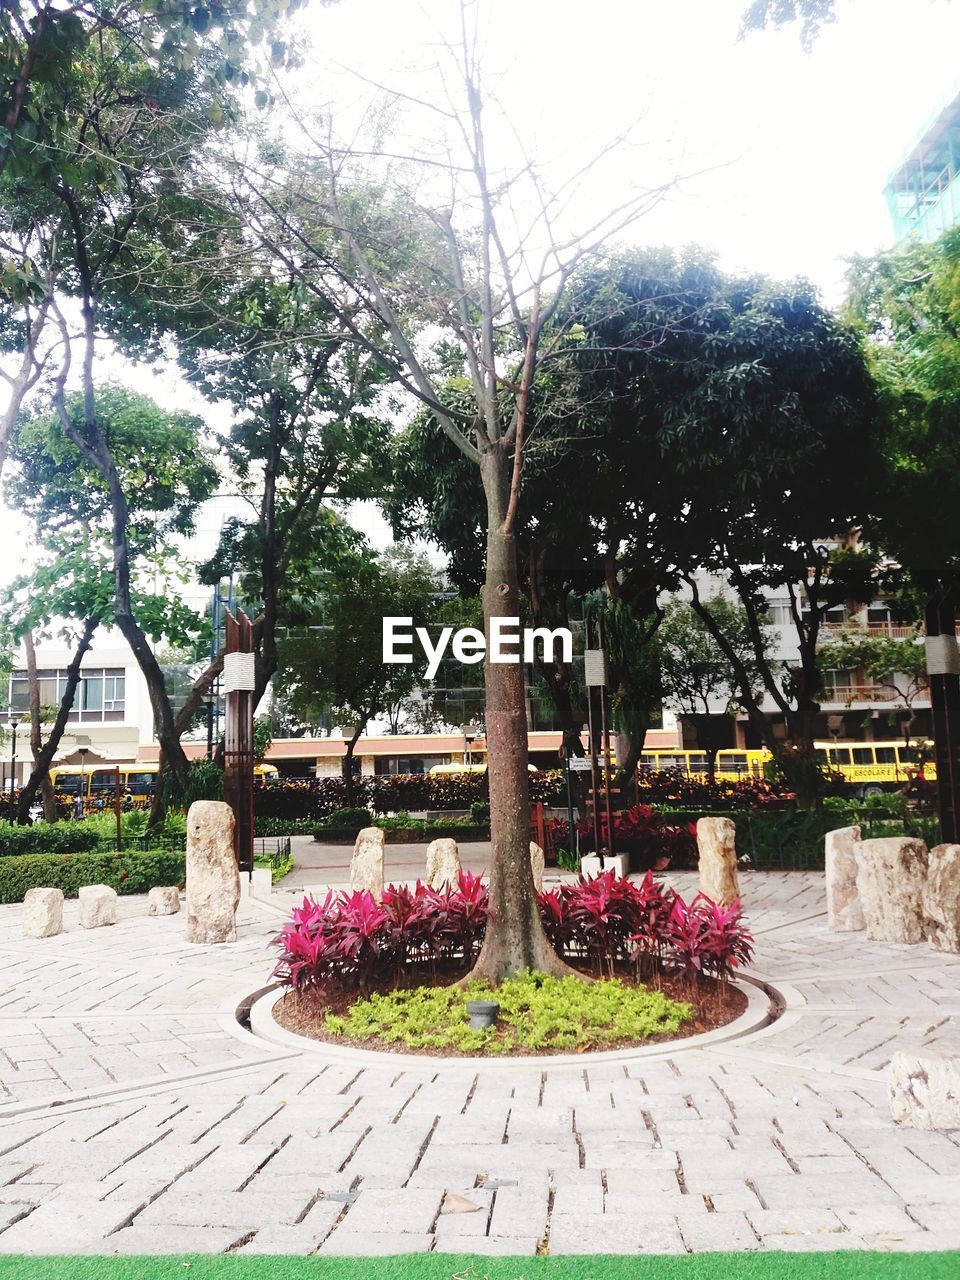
(13, 763)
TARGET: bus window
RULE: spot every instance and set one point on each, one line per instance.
(839, 755)
(69, 783)
(732, 761)
(820, 755)
(141, 783)
(665, 761)
(697, 762)
(886, 755)
(863, 755)
(648, 760)
(104, 780)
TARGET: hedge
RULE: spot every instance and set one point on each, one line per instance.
(793, 838)
(390, 793)
(125, 872)
(48, 837)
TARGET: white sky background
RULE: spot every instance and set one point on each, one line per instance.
(793, 149)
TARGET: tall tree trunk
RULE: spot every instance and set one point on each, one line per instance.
(43, 753)
(514, 939)
(36, 738)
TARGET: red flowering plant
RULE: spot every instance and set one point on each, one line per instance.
(708, 938)
(647, 835)
(349, 940)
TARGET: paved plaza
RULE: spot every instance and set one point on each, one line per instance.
(137, 1115)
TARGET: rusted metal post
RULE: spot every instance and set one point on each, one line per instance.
(116, 807)
(943, 667)
(239, 675)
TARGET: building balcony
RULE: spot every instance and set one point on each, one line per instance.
(866, 695)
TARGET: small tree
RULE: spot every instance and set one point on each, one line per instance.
(487, 292)
(898, 667)
(698, 677)
(337, 668)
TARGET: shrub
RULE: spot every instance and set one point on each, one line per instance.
(349, 818)
(348, 938)
(390, 793)
(536, 1012)
(48, 837)
(708, 938)
(673, 786)
(125, 872)
(641, 831)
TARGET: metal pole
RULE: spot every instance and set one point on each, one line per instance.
(606, 757)
(13, 766)
(571, 830)
(943, 667)
(238, 734)
(593, 759)
(116, 807)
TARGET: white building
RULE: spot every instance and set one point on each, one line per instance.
(111, 713)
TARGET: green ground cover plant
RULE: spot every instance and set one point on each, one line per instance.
(536, 1012)
(840, 1265)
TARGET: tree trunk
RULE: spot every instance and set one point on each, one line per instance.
(43, 753)
(514, 940)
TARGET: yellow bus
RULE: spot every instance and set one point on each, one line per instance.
(140, 779)
(869, 767)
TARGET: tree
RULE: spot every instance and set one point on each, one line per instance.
(898, 667)
(106, 151)
(306, 430)
(67, 71)
(697, 674)
(166, 472)
(493, 298)
(907, 304)
(337, 667)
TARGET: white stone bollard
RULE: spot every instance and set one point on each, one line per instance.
(261, 882)
(924, 1090)
(591, 864)
(891, 875)
(98, 906)
(618, 862)
(941, 898)
(163, 900)
(717, 848)
(42, 913)
(366, 865)
(443, 863)
(213, 882)
(844, 912)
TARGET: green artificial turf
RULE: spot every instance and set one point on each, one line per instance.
(433, 1266)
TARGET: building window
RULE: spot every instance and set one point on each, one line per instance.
(100, 694)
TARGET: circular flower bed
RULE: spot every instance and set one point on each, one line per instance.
(358, 970)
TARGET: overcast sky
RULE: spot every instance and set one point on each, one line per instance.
(792, 149)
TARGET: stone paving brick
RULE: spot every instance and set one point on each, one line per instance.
(137, 1240)
(814, 1244)
(400, 1210)
(281, 1239)
(218, 1209)
(489, 1246)
(713, 1232)
(373, 1244)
